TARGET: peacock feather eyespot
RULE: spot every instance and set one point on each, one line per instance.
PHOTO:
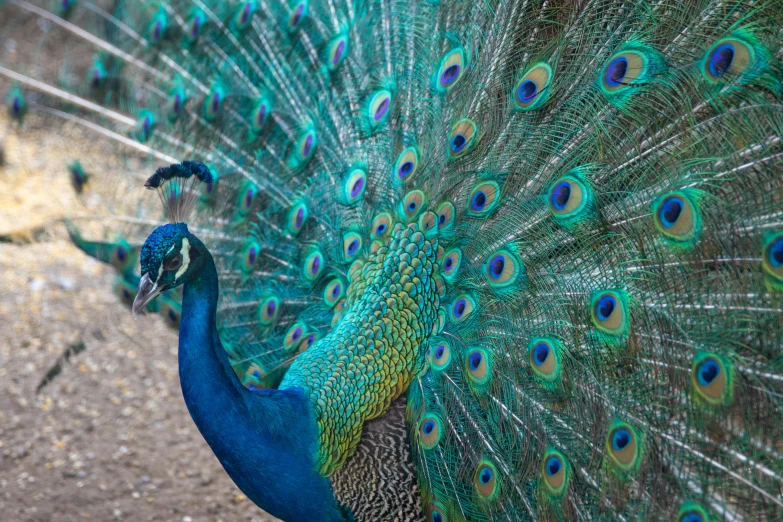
(729, 59)
(462, 308)
(486, 480)
(609, 311)
(436, 513)
(712, 378)
(173, 317)
(96, 74)
(246, 197)
(541, 356)
(156, 31)
(772, 260)
(304, 149)
(250, 255)
(144, 126)
(268, 310)
(213, 102)
(484, 199)
(407, 163)
(616, 71)
(313, 266)
(121, 256)
(624, 446)
(504, 271)
(334, 291)
(692, 512)
(254, 377)
(451, 70)
(244, 15)
(570, 199)
(298, 14)
(478, 366)
(381, 225)
(297, 216)
(195, 25)
(355, 185)
(450, 263)
(338, 50)
(545, 361)
(633, 67)
(378, 108)
(720, 60)
(294, 335)
(65, 7)
(430, 431)
(79, 178)
(157, 28)
(412, 204)
(532, 91)
(16, 104)
(677, 216)
(623, 70)
(352, 246)
(555, 472)
(462, 138)
(260, 115)
(210, 190)
(176, 103)
(170, 311)
(441, 354)
(445, 213)
(125, 291)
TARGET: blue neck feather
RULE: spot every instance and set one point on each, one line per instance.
(266, 440)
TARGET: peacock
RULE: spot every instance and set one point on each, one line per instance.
(445, 260)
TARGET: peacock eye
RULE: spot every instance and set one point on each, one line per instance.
(378, 107)
(450, 70)
(533, 89)
(173, 263)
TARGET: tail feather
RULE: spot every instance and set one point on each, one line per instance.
(603, 181)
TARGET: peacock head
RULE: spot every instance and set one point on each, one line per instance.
(171, 255)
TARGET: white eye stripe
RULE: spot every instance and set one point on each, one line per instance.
(185, 253)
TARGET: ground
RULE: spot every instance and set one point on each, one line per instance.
(110, 437)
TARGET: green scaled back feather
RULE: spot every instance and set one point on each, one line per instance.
(599, 184)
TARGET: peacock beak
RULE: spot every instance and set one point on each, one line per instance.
(148, 290)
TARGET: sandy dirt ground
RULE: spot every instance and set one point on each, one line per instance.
(110, 438)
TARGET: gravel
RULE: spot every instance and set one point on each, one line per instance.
(110, 437)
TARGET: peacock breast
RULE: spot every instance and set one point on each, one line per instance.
(373, 354)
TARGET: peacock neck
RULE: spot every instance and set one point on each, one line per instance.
(266, 440)
(198, 330)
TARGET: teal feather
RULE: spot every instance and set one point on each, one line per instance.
(554, 229)
(16, 104)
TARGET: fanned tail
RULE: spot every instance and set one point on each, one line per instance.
(603, 179)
